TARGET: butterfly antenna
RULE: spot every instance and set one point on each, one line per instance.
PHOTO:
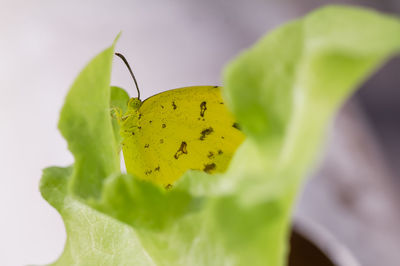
(130, 70)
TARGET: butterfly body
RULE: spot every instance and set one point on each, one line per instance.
(177, 130)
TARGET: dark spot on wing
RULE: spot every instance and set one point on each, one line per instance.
(157, 169)
(221, 103)
(174, 105)
(182, 150)
(161, 141)
(210, 155)
(206, 132)
(222, 137)
(133, 133)
(220, 152)
(150, 122)
(163, 125)
(147, 145)
(148, 172)
(139, 127)
(236, 125)
(203, 108)
(169, 186)
(162, 106)
(215, 86)
(140, 116)
(209, 167)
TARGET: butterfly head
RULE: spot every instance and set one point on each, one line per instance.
(134, 104)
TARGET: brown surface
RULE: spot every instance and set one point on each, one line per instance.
(305, 253)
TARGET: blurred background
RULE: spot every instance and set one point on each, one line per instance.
(355, 190)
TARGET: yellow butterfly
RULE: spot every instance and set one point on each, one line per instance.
(177, 130)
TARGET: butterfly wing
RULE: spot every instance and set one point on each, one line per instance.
(178, 130)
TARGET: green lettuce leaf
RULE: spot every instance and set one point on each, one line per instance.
(283, 91)
(86, 125)
(93, 238)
